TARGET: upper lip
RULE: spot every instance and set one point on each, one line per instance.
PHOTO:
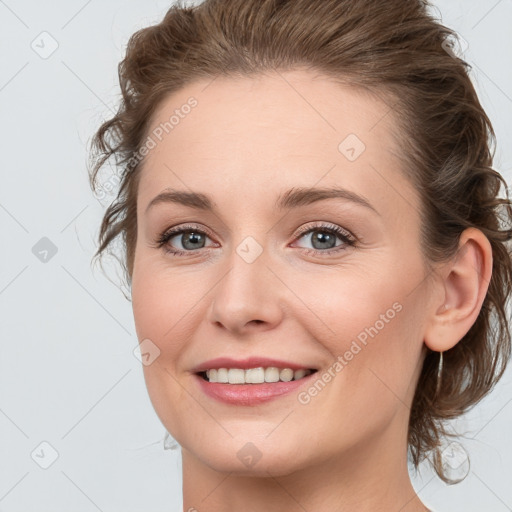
(251, 362)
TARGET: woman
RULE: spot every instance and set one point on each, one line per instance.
(315, 244)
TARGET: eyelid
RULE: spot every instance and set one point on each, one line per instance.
(327, 226)
(174, 230)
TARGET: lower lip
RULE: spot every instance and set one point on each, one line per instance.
(250, 394)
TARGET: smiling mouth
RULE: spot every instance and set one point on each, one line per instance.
(258, 375)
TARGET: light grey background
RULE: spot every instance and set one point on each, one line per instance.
(68, 375)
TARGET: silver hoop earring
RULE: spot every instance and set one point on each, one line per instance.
(439, 373)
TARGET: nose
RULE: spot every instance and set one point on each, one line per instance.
(248, 297)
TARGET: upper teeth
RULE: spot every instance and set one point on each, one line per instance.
(254, 375)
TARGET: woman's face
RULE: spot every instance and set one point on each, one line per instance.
(263, 274)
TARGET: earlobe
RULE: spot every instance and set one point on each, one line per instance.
(465, 280)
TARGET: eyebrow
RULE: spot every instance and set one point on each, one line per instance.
(293, 198)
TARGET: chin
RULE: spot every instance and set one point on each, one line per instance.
(245, 457)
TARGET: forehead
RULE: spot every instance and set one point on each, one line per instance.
(271, 131)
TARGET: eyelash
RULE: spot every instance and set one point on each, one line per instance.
(345, 236)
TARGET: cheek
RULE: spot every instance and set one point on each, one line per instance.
(349, 307)
(380, 359)
(371, 326)
(163, 304)
(374, 364)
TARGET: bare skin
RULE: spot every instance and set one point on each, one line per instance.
(247, 141)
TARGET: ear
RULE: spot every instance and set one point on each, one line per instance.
(464, 281)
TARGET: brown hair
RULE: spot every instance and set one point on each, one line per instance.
(398, 51)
